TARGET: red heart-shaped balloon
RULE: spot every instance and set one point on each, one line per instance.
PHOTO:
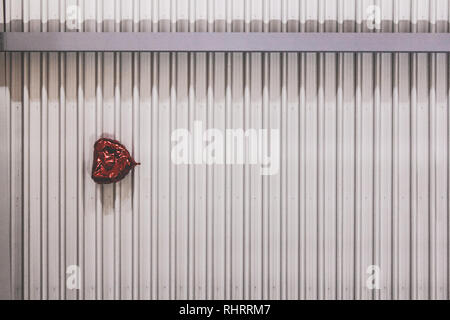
(112, 161)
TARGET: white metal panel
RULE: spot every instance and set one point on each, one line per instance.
(364, 158)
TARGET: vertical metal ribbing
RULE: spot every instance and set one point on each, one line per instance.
(62, 174)
(213, 289)
(26, 172)
(117, 132)
(201, 171)
(414, 161)
(302, 168)
(154, 161)
(6, 209)
(423, 144)
(99, 195)
(210, 106)
(441, 195)
(292, 144)
(329, 75)
(136, 151)
(311, 162)
(432, 165)
(10, 168)
(126, 137)
(190, 179)
(386, 162)
(52, 87)
(447, 87)
(283, 165)
(146, 154)
(36, 139)
(81, 128)
(263, 216)
(447, 94)
(69, 165)
(246, 257)
(172, 191)
(107, 130)
(17, 221)
(44, 170)
(163, 158)
(87, 122)
(274, 122)
(377, 132)
(405, 80)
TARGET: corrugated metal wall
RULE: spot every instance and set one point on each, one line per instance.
(364, 175)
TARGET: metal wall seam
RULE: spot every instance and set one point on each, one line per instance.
(364, 160)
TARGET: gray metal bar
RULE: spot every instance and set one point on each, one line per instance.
(224, 42)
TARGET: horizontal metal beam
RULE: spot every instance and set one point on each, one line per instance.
(225, 42)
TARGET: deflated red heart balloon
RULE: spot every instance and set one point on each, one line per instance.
(112, 161)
